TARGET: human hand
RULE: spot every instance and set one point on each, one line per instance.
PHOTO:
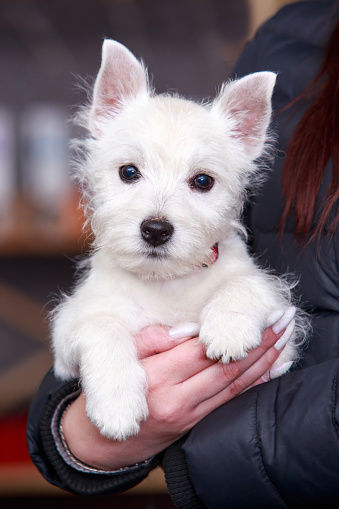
(183, 387)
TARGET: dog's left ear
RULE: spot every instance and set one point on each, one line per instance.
(246, 106)
(121, 78)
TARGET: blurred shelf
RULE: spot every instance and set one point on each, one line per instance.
(45, 242)
(30, 232)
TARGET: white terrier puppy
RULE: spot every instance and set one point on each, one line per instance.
(165, 181)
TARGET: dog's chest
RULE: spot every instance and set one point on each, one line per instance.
(139, 302)
(171, 302)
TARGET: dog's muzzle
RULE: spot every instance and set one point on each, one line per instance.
(156, 231)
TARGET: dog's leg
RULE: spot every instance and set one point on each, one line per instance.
(233, 321)
(113, 380)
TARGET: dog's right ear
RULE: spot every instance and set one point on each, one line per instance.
(121, 78)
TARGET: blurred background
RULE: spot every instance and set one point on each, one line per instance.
(46, 46)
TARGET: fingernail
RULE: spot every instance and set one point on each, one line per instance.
(281, 369)
(274, 317)
(266, 376)
(184, 330)
(283, 322)
(286, 336)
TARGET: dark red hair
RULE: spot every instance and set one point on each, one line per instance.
(314, 142)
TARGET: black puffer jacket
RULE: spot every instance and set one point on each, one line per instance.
(277, 445)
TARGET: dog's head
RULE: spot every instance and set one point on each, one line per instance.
(166, 176)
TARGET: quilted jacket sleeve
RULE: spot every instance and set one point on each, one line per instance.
(275, 446)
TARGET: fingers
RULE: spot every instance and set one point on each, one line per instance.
(248, 376)
(178, 357)
(218, 377)
(195, 385)
(279, 345)
(228, 389)
(215, 383)
(236, 376)
(201, 377)
(178, 364)
(155, 339)
(183, 360)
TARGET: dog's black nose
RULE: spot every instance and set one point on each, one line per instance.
(156, 231)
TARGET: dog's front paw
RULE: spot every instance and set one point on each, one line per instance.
(118, 419)
(228, 335)
(117, 404)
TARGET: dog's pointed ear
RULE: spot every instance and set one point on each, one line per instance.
(121, 78)
(246, 105)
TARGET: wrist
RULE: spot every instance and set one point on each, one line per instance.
(53, 461)
(82, 439)
(90, 450)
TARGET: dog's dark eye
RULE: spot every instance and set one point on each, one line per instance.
(202, 182)
(129, 173)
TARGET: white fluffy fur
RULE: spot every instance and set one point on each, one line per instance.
(170, 140)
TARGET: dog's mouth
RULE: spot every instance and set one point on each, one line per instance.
(159, 263)
(160, 254)
(156, 255)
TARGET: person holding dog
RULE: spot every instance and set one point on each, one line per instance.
(275, 445)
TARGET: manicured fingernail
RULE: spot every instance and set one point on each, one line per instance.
(266, 376)
(283, 322)
(274, 317)
(274, 373)
(286, 336)
(184, 330)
